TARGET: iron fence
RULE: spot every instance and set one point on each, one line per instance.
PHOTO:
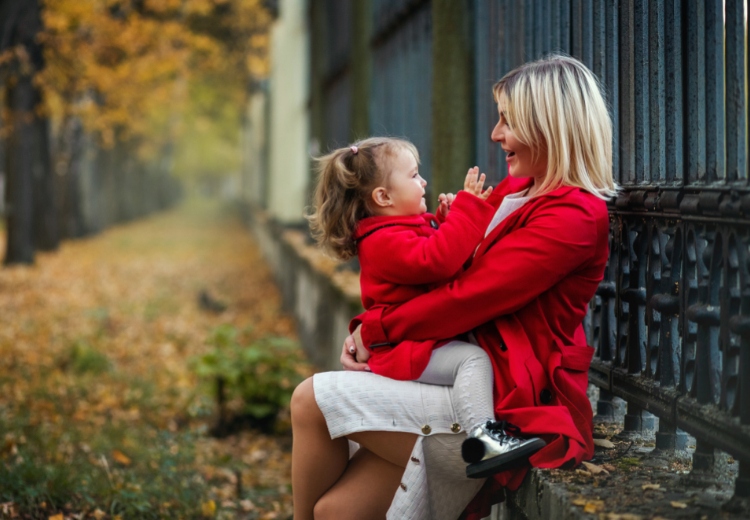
(401, 101)
(671, 321)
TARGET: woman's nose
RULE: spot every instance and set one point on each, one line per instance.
(496, 134)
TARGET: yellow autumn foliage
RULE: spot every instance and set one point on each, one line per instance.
(129, 69)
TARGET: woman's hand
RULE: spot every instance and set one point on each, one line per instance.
(354, 355)
(474, 183)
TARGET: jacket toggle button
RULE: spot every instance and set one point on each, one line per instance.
(426, 429)
(415, 460)
(434, 224)
(403, 486)
(455, 427)
(545, 396)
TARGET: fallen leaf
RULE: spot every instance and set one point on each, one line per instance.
(678, 505)
(121, 458)
(583, 472)
(247, 505)
(10, 509)
(604, 443)
(579, 502)
(594, 469)
(98, 514)
(609, 467)
(650, 486)
(593, 506)
(58, 516)
(208, 509)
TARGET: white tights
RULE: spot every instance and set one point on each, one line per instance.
(468, 369)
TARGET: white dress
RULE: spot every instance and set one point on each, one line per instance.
(360, 401)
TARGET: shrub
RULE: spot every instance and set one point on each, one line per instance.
(260, 372)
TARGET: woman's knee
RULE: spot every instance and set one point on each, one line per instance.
(328, 508)
(303, 406)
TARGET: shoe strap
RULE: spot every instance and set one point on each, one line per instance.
(503, 427)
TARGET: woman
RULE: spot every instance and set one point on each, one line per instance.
(523, 299)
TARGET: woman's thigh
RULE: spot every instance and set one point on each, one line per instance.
(363, 492)
(395, 447)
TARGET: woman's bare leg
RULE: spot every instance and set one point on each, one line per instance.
(395, 447)
(317, 460)
(364, 492)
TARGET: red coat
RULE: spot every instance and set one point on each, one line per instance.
(403, 257)
(524, 296)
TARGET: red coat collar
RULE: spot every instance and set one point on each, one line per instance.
(511, 185)
(370, 224)
(507, 187)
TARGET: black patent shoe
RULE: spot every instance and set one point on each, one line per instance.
(489, 449)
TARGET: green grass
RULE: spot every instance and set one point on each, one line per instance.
(53, 474)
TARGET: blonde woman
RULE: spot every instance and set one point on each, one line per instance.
(523, 300)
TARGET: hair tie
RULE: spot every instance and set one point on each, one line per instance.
(354, 149)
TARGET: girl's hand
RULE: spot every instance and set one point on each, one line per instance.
(445, 200)
(474, 183)
(354, 355)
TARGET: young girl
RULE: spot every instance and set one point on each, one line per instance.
(369, 203)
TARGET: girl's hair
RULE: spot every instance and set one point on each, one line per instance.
(343, 195)
(555, 105)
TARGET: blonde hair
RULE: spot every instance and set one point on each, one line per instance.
(343, 195)
(555, 106)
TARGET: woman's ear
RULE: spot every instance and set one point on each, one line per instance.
(381, 198)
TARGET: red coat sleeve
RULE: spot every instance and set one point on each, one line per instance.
(558, 238)
(412, 259)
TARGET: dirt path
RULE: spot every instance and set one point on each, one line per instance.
(101, 415)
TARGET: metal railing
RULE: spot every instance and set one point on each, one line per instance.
(671, 321)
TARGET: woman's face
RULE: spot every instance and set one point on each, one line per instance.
(520, 160)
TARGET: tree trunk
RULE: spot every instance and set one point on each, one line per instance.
(19, 160)
(27, 159)
(46, 228)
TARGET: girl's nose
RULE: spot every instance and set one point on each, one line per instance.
(422, 181)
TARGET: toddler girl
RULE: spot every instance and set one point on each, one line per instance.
(369, 203)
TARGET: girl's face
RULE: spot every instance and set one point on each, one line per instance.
(404, 193)
(520, 160)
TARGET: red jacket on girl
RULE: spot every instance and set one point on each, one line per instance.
(524, 296)
(403, 257)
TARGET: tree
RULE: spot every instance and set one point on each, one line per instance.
(31, 220)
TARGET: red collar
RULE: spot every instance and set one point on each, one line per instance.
(370, 224)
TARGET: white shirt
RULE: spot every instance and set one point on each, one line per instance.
(509, 204)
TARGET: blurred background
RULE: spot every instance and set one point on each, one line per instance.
(111, 109)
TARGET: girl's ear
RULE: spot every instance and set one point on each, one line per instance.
(381, 198)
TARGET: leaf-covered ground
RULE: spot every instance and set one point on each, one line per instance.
(100, 413)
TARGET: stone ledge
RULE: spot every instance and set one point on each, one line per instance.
(628, 481)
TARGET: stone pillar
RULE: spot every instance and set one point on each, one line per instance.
(288, 157)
